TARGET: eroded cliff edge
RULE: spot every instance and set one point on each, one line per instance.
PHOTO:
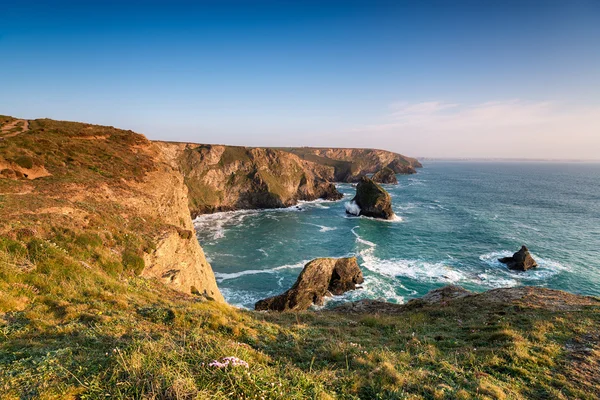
(225, 178)
(108, 196)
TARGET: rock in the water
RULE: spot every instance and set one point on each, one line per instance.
(319, 278)
(520, 261)
(385, 175)
(372, 200)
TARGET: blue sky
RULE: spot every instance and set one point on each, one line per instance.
(431, 78)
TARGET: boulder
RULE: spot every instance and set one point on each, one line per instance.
(520, 261)
(320, 278)
(371, 200)
(385, 175)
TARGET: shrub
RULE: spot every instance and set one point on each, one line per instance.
(89, 240)
(24, 162)
(158, 314)
(133, 262)
(13, 247)
(37, 250)
(112, 268)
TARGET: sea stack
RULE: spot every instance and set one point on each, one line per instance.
(385, 175)
(320, 278)
(371, 200)
(520, 261)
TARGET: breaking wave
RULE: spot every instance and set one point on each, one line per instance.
(223, 276)
(352, 208)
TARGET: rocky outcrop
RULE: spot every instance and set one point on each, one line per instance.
(352, 164)
(448, 296)
(385, 175)
(224, 178)
(320, 278)
(371, 200)
(520, 261)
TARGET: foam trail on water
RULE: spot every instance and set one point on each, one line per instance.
(322, 228)
(264, 252)
(361, 240)
(223, 276)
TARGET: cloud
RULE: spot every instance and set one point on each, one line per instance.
(404, 109)
(507, 128)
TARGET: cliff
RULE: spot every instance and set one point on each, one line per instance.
(108, 196)
(223, 178)
(351, 164)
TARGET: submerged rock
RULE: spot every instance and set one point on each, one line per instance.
(372, 200)
(385, 175)
(520, 261)
(320, 278)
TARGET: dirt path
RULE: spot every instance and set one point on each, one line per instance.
(11, 125)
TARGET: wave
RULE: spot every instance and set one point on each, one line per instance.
(360, 239)
(395, 218)
(414, 269)
(264, 252)
(223, 276)
(322, 228)
(352, 208)
(214, 226)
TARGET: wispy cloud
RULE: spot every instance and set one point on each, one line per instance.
(506, 128)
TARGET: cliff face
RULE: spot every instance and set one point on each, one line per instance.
(351, 164)
(108, 197)
(223, 178)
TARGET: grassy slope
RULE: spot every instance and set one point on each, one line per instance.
(68, 331)
(75, 321)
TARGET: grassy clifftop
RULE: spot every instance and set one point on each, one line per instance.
(105, 194)
(351, 164)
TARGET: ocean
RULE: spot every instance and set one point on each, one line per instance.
(455, 219)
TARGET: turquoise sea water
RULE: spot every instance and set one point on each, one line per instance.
(456, 219)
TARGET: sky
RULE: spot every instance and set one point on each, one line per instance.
(484, 79)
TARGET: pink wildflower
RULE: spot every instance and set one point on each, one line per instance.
(227, 361)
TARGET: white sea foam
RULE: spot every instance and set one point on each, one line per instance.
(223, 276)
(264, 252)
(352, 208)
(546, 268)
(414, 269)
(322, 228)
(361, 240)
(214, 226)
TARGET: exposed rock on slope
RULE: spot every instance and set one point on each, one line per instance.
(526, 296)
(352, 164)
(223, 178)
(385, 175)
(108, 191)
(319, 278)
(372, 200)
(520, 261)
